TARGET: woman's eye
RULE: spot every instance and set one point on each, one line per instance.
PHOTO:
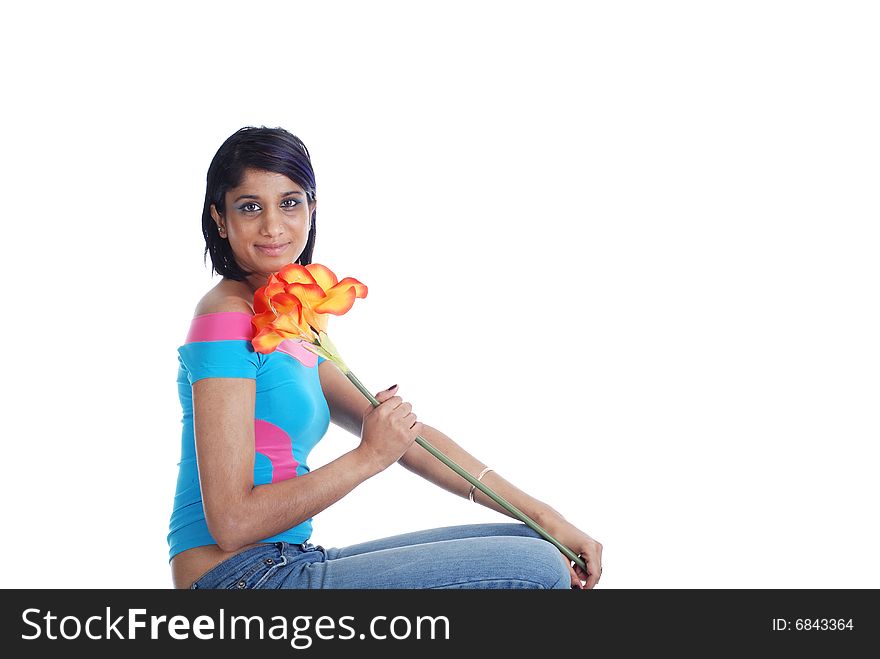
(289, 203)
(249, 208)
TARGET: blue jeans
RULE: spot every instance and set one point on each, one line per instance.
(508, 555)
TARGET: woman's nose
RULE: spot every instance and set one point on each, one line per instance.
(273, 224)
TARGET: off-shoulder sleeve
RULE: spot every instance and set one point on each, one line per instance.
(219, 359)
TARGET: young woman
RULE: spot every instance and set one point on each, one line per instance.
(245, 496)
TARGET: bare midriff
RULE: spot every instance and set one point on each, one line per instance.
(189, 565)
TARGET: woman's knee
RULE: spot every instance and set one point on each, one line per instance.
(545, 564)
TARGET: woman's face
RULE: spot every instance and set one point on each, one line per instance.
(266, 222)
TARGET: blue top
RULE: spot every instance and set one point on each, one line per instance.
(290, 416)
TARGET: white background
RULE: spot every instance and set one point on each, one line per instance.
(625, 253)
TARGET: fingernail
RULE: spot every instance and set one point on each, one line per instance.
(391, 387)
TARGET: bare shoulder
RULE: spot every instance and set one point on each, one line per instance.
(225, 297)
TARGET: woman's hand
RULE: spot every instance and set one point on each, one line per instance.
(387, 431)
(587, 548)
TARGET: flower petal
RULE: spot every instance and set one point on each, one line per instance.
(359, 288)
(294, 273)
(338, 301)
(266, 340)
(263, 320)
(274, 286)
(285, 303)
(308, 294)
(324, 276)
(261, 300)
(316, 320)
(289, 325)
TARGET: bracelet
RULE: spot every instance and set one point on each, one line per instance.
(474, 487)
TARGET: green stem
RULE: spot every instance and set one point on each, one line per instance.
(516, 512)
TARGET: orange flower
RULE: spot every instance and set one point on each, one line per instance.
(295, 302)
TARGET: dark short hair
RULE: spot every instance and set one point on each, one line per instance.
(268, 149)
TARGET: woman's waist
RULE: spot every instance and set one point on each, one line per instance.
(190, 564)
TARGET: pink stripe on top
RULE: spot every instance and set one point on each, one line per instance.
(296, 349)
(275, 444)
(221, 326)
(236, 326)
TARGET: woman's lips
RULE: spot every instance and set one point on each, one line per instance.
(272, 250)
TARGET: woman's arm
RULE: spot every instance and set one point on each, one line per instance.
(347, 404)
(238, 513)
(419, 461)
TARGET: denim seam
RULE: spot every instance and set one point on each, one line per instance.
(271, 571)
(250, 573)
(540, 585)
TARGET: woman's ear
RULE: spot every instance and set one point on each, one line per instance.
(221, 228)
